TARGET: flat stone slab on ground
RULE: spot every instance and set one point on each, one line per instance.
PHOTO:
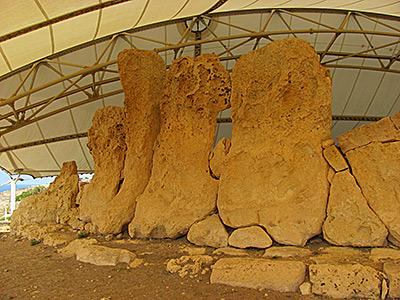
(104, 256)
(259, 273)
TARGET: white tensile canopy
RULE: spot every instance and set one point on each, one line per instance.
(58, 61)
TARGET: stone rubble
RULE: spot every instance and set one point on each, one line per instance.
(189, 265)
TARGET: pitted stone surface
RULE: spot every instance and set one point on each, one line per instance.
(208, 232)
(259, 273)
(253, 236)
(345, 281)
(392, 271)
(376, 169)
(382, 131)
(107, 146)
(350, 221)
(181, 191)
(281, 114)
(56, 204)
(142, 74)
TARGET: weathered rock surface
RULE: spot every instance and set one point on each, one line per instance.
(181, 191)
(392, 271)
(376, 169)
(58, 238)
(75, 245)
(104, 256)
(253, 236)
(208, 232)
(382, 131)
(340, 255)
(281, 113)
(56, 204)
(350, 221)
(107, 146)
(230, 251)
(286, 252)
(142, 74)
(258, 273)
(335, 158)
(37, 231)
(217, 157)
(396, 120)
(189, 265)
(385, 254)
(345, 281)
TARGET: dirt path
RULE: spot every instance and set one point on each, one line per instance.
(38, 272)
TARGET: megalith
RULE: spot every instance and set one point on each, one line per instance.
(107, 146)
(181, 191)
(275, 174)
(142, 73)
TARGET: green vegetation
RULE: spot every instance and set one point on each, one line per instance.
(35, 242)
(36, 190)
(82, 235)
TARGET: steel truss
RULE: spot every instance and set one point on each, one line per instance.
(18, 110)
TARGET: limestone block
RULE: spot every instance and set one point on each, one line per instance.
(56, 204)
(382, 131)
(330, 175)
(396, 120)
(385, 254)
(340, 255)
(345, 281)
(376, 169)
(58, 238)
(209, 232)
(335, 158)
(258, 273)
(71, 249)
(286, 252)
(350, 221)
(104, 256)
(229, 251)
(142, 74)
(107, 146)
(181, 191)
(253, 236)
(281, 113)
(217, 156)
(37, 231)
(392, 271)
(327, 143)
(305, 288)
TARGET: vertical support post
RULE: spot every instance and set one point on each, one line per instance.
(13, 184)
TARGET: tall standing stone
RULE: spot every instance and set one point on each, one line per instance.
(107, 146)
(142, 74)
(275, 174)
(181, 191)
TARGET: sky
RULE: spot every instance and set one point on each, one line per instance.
(4, 177)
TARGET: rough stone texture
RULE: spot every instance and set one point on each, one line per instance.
(36, 231)
(217, 157)
(253, 236)
(181, 191)
(75, 245)
(305, 288)
(142, 74)
(331, 174)
(385, 254)
(345, 281)
(258, 273)
(56, 204)
(286, 252)
(191, 265)
(340, 255)
(396, 120)
(376, 169)
(335, 158)
(392, 271)
(229, 251)
(104, 256)
(382, 131)
(327, 143)
(107, 146)
(282, 94)
(58, 238)
(209, 232)
(350, 221)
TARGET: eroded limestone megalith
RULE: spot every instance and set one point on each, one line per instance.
(107, 146)
(275, 174)
(373, 152)
(142, 73)
(54, 205)
(181, 191)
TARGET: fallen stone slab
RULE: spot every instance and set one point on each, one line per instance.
(259, 273)
(104, 256)
(392, 271)
(208, 232)
(345, 281)
(287, 252)
(71, 249)
(250, 237)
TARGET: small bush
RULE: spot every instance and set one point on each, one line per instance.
(36, 190)
(82, 235)
(35, 242)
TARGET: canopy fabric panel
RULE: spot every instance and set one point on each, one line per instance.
(58, 62)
